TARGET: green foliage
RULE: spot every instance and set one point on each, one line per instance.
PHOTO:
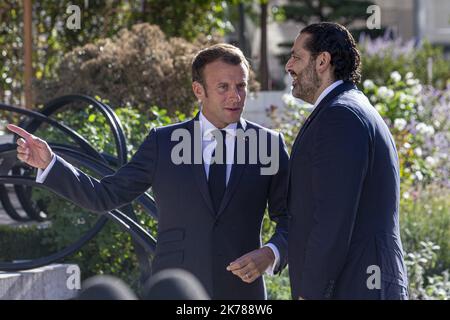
(189, 18)
(291, 120)
(342, 11)
(26, 240)
(425, 217)
(350, 13)
(278, 286)
(381, 55)
(138, 67)
(410, 110)
(421, 286)
(100, 19)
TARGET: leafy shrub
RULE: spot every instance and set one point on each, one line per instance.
(28, 240)
(425, 217)
(421, 286)
(418, 118)
(382, 55)
(140, 67)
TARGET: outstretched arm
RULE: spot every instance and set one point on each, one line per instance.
(111, 192)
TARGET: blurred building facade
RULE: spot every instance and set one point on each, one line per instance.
(407, 19)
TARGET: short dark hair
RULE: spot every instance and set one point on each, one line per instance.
(336, 40)
(221, 51)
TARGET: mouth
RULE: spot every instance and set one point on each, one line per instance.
(231, 109)
(294, 78)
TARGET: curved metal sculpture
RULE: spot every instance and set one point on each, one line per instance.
(83, 154)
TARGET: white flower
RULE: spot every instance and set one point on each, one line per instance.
(290, 100)
(396, 76)
(368, 84)
(407, 145)
(409, 75)
(419, 175)
(424, 129)
(412, 82)
(402, 97)
(390, 93)
(406, 195)
(418, 151)
(400, 124)
(430, 160)
(287, 98)
(416, 89)
(385, 93)
(382, 92)
(421, 127)
(373, 99)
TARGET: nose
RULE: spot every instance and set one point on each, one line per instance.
(235, 96)
(288, 65)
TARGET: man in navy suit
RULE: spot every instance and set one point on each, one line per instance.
(343, 194)
(210, 207)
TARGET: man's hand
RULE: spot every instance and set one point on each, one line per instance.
(33, 151)
(252, 265)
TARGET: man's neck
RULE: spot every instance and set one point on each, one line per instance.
(207, 125)
(325, 90)
(324, 84)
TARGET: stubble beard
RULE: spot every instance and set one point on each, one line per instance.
(308, 84)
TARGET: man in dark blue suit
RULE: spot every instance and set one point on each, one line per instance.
(211, 206)
(343, 194)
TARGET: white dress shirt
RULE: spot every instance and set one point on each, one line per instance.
(209, 143)
(208, 146)
(327, 91)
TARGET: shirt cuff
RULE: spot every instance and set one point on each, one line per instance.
(42, 174)
(271, 269)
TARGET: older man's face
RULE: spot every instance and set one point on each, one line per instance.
(301, 67)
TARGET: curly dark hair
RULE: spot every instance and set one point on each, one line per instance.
(337, 40)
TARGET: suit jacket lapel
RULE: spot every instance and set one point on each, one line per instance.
(198, 169)
(320, 107)
(236, 173)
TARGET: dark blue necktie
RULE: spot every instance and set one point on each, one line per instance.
(217, 179)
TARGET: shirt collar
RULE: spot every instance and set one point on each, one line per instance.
(327, 91)
(207, 127)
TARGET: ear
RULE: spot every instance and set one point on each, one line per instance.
(323, 61)
(198, 90)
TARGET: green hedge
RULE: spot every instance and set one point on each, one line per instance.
(22, 243)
